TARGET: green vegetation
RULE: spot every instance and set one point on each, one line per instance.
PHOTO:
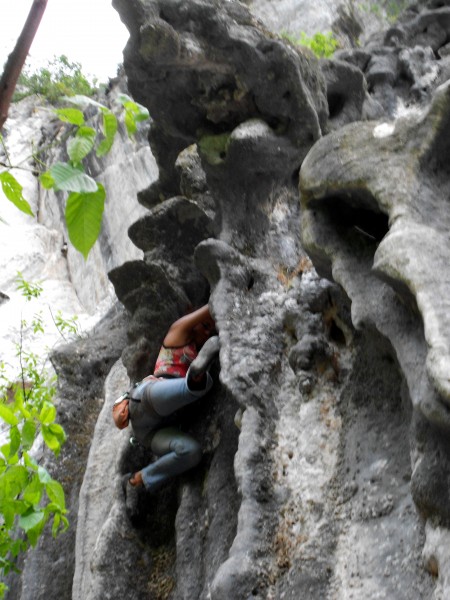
(60, 77)
(29, 497)
(395, 7)
(86, 197)
(388, 9)
(322, 44)
(214, 147)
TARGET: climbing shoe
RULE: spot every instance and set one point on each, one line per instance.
(131, 493)
(205, 357)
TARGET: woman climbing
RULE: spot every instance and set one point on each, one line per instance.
(180, 377)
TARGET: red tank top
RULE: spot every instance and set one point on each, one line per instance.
(175, 361)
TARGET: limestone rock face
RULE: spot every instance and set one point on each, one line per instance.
(325, 438)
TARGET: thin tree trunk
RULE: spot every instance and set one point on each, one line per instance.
(18, 56)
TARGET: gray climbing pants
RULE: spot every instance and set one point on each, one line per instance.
(178, 451)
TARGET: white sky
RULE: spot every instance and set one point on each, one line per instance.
(89, 32)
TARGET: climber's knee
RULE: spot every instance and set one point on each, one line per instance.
(188, 450)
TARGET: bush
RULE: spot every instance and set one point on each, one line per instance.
(60, 77)
(322, 44)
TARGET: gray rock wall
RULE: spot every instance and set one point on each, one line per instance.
(325, 463)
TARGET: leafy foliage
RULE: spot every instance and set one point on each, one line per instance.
(29, 496)
(29, 290)
(322, 44)
(86, 197)
(13, 191)
(60, 77)
(387, 9)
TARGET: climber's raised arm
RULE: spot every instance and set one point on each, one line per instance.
(196, 327)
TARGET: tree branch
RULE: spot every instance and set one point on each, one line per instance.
(18, 56)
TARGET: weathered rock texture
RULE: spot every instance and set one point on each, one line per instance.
(326, 457)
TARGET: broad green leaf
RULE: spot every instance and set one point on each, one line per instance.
(79, 146)
(33, 491)
(12, 481)
(70, 115)
(12, 458)
(28, 434)
(70, 179)
(30, 462)
(15, 440)
(44, 476)
(50, 439)
(13, 191)
(7, 415)
(19, 506)
(134, 113)
(83, 101)
(130, 123)
(58, 431)
(84, 218)
(8, 514)
(140, 112)
(109, 130)
(32, 522)
(46, 180)
(47, 414)
(56, 494)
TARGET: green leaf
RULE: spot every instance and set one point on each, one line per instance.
(28, 434)
(50, 439)
(15, 440)
(47, 414)
(8, 514)
(32, 522)
(70, 115)
(70, 179)
(29, 461)
(46, 180)
(33, 492)
(83, 101)
(44, 476)
(7, 415)
(80, 146)
(55, 525)
(109, 130)
(13, 481)
(84, 218)
(12, 458)
(130, 123)
(56, 494)
(58, 431)
(134, 113)
(139, 111)
(13, 191)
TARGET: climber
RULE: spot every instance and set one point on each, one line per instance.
(180, 377)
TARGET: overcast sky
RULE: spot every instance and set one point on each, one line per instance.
(89, 32)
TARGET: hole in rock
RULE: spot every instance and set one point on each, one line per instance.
(356, 213)
(336, 333)
(251, 282)
(336, 103)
